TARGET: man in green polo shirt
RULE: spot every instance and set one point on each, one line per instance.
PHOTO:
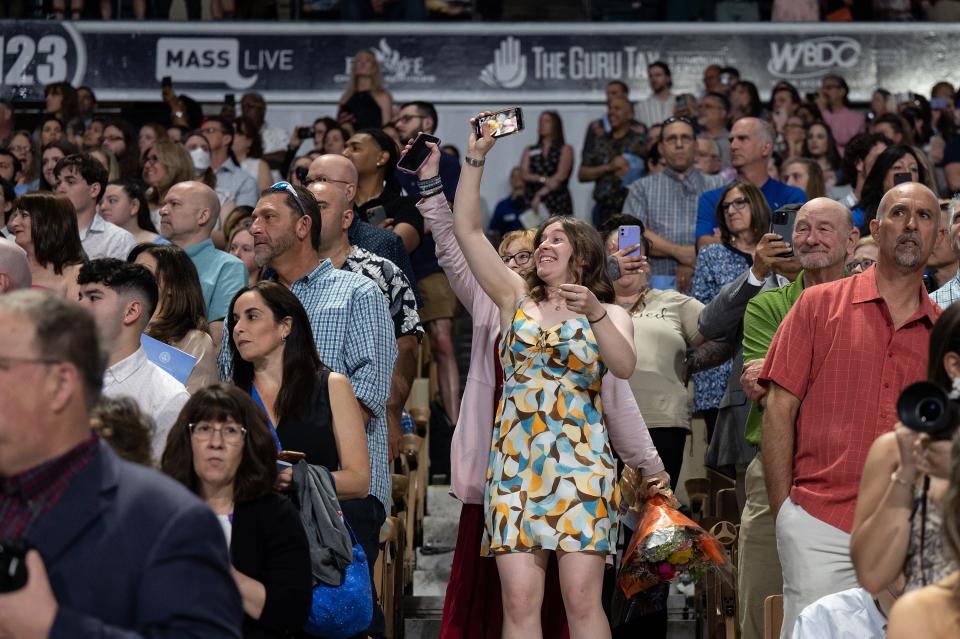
(823, 237)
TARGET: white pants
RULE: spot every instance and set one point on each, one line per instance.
(815, 558)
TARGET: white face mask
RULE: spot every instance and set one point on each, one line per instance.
(201, 159)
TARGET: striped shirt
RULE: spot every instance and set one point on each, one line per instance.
(354, 334)
(667, 205)
(948, 293)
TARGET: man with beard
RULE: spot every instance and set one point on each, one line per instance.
(833, 374)
(822, 237)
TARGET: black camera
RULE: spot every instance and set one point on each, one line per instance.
(925, 408)
(304, 132)
(13, 564)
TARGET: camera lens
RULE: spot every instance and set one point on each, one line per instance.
(929, 410)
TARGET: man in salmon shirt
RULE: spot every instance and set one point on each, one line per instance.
(834, 371)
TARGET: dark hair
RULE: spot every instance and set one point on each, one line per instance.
(385, 143)
(588, 248)
(839, 79)
(815, 185)
(857, 150)
(873, 190)
(129, 160)
(65, 148)
(622, 84)
(17, 166)
(127, 429)
(833, 153)
(789, 88)
(662, 66)
(558, 138)
(914, 115)
(237, 215)
(69, 105)
(183, 308)
(944, 338)
(132, 190)
(327, 122)
(301, 364)
(9, 194)
(723, 99)
(310, 208)
(247, 128)
(89, 169)
(898, 124)
(426, 110)
(258, 462)
(734, 71)
(65, 332)
(755, 109)
(53, 227)
(812, 110)
(759, 211)
(49, 117)
(451, 149)
(123, 278)
(613, 223)
(335, 127)
(224, 123)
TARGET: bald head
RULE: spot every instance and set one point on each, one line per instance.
(14, 269)
(189, 213)
(906, 227)
(824, 235)
(338, 170)
(909, 190)
(827, 207)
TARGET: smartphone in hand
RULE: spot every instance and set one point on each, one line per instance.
(782, 222)
(411, 161)
(629, 236)
(501, 123)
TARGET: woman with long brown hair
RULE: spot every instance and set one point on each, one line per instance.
(546, 167)
(164, 164)
(180, 318)
(45, 226)
(551, 463)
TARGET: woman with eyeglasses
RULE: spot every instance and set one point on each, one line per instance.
(164, 164)
(743, 217)
(473, 598)
(546, 167)
(21, 145)
(312, 409)
(375, 156)
(45, 226)
(222, 450)
(180, 318)
(864, 256)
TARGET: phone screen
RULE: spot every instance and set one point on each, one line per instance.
(501, 123)
(901, 178)
(413, 159)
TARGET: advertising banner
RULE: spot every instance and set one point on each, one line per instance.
(450, 63)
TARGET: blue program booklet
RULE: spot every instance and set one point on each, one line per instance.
(170, 359)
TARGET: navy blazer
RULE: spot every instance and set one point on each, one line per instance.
(131, 553)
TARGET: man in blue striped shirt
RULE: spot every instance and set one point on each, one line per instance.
(352, 328)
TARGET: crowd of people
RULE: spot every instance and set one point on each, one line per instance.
(215, 306)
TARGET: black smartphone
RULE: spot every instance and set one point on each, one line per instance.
(411, 161)
(230, 99)
(304, 132)
(810, 97)
(167, 81)
(782, 222)
(301, 173)
(376, 215)
(682, 101)
(501, 123)
(900, 178)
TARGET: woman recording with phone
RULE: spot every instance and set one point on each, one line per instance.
(894, 529)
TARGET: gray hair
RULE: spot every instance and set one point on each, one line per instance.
(65, 332)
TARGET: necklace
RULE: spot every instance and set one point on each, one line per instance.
(554, 289)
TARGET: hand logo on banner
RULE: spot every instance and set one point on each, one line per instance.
(509, 67)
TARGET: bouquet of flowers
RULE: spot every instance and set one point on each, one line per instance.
(665, 545)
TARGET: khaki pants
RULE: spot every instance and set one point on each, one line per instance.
(758, 570)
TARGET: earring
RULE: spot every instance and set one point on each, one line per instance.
(283, 339)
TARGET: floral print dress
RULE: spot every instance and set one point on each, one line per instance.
(551, 480)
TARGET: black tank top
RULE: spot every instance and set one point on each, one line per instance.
(311, 432)
(365, 109)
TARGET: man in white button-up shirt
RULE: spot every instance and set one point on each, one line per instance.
(83, 180)
(122, 298)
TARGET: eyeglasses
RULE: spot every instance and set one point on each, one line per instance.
(19, 148)
(231, 433)
(739, 204)
(286, 187)
(520, 257)
(859, 266)
(322, 179)
(407, 118)
(677, 118)
(210, 129)
(150, 159)
(6, 363)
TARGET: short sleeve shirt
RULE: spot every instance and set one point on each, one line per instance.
(837, 351)
(776, 193)
(609, 192)
(221, 276)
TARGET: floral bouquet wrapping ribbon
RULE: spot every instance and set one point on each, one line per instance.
(665, 544)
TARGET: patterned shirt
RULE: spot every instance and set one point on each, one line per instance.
(717, 266)
(838, 352)
(948, 293)
(387, 245)
(667, 205)
(103, 239)
(354, 337)
(26, 497)
(609, 192)
(393, 284)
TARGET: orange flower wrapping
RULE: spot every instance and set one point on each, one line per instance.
(660, 515)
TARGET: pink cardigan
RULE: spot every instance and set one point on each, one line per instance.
(470, 449)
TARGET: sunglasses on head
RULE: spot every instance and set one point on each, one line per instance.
(286, 187)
